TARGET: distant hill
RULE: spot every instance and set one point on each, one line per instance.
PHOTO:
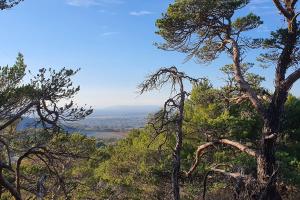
(111, 122)
(125, 110)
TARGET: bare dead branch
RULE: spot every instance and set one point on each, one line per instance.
(172, 113)
(202, 149)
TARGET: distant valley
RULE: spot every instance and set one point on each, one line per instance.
(107, 123)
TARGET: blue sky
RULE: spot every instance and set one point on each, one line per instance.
(111, 41)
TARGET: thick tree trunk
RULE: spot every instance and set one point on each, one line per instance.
(266, 161)
(267, 172)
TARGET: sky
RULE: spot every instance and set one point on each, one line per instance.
(112, 42)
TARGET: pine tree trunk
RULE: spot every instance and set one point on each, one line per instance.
(266, 163)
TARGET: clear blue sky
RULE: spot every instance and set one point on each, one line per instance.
(110, 40)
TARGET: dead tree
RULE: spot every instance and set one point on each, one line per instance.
(170, 119)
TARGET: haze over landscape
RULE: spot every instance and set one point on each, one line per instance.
(108, 123)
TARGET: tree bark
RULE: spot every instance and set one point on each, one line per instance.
(266, 171)
(177, 150)
(176, 171)
(266, 161)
